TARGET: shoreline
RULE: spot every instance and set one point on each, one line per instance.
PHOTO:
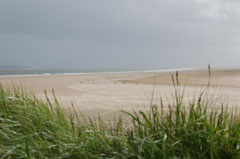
(96, 73)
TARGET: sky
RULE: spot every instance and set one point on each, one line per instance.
(143, 34)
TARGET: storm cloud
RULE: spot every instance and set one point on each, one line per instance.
(120, 33)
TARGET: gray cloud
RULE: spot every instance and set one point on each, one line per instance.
(126, 33)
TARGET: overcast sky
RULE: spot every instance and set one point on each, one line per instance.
(120, 33)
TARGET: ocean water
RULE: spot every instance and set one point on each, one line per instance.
(40, 71)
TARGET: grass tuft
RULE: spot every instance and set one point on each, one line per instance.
(32, 128)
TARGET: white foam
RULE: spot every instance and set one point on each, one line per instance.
(92, 73)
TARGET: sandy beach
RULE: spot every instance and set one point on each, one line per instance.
(109, 93)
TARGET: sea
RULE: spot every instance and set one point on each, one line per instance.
(63, 71)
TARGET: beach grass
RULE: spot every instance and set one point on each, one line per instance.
(33, 128)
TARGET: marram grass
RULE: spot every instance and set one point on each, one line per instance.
(32, 128)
